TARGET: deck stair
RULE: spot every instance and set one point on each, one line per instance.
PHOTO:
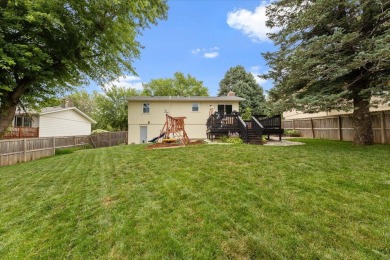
(253, 137)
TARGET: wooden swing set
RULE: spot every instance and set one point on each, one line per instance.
(175, 126)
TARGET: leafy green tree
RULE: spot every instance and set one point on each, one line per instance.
(48, 47)
(49, 102)
(332, 54)
(84, 101)
(111, 108)
(247, 114)
(179, 85)
(244, 85)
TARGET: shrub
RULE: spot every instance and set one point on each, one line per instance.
(68, 150)
(223, 138)
(291, 132)
(234, 140)
(99, 131)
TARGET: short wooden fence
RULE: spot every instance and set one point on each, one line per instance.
(24, 150)
(340, 127)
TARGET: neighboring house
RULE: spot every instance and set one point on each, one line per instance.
(293, 114)
(147, 114)
(51, 121)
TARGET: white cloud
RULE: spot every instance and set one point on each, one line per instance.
(127, 82)
(208, 53)
(251, 23)
(211, 55)
(196, 51)
(256, 71)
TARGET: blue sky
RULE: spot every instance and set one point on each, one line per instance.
(203, 38)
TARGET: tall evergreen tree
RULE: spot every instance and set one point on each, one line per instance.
(244, 85)
(332, 54)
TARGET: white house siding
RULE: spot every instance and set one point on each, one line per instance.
(63, 123)
(35, 121)
(195, 122)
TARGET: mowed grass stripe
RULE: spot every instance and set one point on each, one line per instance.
(323, 200)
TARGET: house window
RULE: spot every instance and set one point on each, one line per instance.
(22, 121)
(146, 108)
(18, 121)
(195, 107)
(225, 109)
(27, 121)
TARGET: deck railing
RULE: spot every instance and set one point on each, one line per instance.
(257, 126)
(217, 121)
(22, 132)
(269, 122)
(243, 129)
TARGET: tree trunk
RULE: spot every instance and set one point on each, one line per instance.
(7, 114)
(9, 101)
(364, 134)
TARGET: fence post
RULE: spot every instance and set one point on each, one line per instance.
(24, 150)
(293, 124)
(54, 145)
(312, 128)
(74, 140)
(383, 127)
(109, 139)
(339, 128)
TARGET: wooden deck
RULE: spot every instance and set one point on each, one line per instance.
(22, 132)
(250, 131)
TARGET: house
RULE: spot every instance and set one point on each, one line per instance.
(294, 114)
(50, 122)
(147, 115)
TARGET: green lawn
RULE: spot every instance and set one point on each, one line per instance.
(325, 199)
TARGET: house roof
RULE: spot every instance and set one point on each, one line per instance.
(51, 110)
(189, 98)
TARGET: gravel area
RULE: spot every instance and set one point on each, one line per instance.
(284, 142)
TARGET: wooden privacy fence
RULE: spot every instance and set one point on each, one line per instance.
(340, 127)
(24, 150)
(108, 139)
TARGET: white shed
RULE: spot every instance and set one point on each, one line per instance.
(50, 122)
(69, 121)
